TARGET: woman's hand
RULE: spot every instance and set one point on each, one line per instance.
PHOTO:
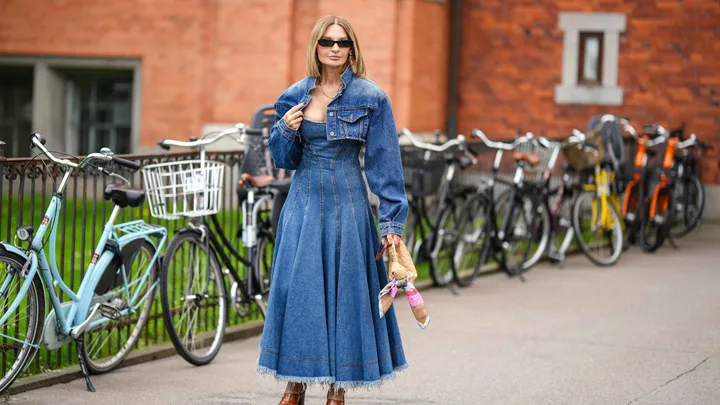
(391, 238)
(294, 117)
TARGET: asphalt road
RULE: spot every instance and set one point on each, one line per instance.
(646, 331)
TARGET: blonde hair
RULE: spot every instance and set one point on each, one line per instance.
(355, 59)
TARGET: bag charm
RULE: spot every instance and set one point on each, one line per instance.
(402, 274)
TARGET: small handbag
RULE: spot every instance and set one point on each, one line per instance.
(402, 274)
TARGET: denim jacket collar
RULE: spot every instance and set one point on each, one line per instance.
(346, 77)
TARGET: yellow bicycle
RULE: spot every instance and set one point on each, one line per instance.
(596, 218)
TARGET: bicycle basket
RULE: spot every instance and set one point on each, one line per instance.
(548, 156)
(188, 188)
(580, 157)
(423, 171)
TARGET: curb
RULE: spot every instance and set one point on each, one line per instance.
(160, 351)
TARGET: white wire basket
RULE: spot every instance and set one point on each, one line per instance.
(188, 188)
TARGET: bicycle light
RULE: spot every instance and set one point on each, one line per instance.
(24, 233)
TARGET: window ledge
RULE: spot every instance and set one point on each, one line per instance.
(577, 94)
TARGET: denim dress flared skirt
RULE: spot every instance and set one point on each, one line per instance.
(323, 324)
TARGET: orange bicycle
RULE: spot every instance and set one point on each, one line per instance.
(636, 204)
(651, 214)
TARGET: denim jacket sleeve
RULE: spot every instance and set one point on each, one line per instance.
(284, 142)
(383, 169)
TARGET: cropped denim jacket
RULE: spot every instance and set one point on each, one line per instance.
(360, 111)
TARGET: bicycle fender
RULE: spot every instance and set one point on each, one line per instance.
(4, 246)
(188, 229)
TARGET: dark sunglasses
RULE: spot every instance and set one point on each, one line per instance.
(329, 43)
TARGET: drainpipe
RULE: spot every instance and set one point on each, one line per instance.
(454, 70)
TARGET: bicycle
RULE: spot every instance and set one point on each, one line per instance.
(116, 293)
(558, 200)
(431, 240)
(195, 301)
(689, 191)
(636, 205)
(480, 235)
(548, 152)
(599, 195)
(662, 207)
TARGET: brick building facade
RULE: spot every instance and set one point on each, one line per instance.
(128, 73)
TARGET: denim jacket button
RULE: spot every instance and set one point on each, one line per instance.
(331, 114)
(332, 133)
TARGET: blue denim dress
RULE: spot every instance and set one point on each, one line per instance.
(323, 324)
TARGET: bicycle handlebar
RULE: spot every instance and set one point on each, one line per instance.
(239, 129)
(663, 136)
(502, 145)
(692, 141)
(625, 122)
(105, 155)
(459, 141)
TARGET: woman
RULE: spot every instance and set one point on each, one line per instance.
(323, 323)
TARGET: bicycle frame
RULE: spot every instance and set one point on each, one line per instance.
(251, 213)
(666, 180)
(602, 186)
(565, 192)
(639, 180)
(77, 312)
(498, 237)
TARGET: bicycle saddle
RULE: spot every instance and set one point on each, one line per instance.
(529, 158)
(257, 181)
(124, 196)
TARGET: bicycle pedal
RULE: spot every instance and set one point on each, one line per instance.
(110, 312)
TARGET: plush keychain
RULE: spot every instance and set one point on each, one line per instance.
(402, 273)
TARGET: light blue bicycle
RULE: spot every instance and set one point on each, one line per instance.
(107, 314)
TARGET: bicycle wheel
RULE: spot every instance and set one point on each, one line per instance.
(442, 247)
(689, 196)
(655, 228)
(470, 250)
(602, 243)
(562, 231)
(25, 323)
(410, 232)
(193, 298)
(529, 231)
(633, 214)
(107, 344)
(263, 268)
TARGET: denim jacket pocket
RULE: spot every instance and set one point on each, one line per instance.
(353, 123)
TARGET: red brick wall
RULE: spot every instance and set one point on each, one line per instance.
(512, 60)
(216, 61)
(430, 66)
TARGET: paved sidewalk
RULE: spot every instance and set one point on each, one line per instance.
(644, 332)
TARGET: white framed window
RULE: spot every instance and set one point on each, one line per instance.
(81, 103)
(590, 58)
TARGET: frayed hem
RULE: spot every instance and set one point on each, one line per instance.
(325, 382)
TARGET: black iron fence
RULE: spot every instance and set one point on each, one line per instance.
(26, 187)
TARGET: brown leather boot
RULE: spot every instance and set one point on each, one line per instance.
(335, 397)
(294, 394)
